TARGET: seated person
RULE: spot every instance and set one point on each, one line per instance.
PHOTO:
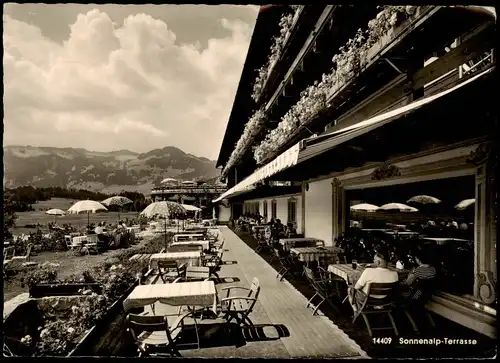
(378, 272)
(290, 230)
(418, 284)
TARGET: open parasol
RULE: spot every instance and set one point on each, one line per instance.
(464, 204)
(164, 209)
(55, 213)
(424, 199)
(365, 207)
(86, 206)
(398, 207)
(118, 200)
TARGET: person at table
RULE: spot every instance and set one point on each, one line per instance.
(379, 273)
(418, 284)
(291, 231)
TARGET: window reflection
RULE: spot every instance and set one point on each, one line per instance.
(425, 215)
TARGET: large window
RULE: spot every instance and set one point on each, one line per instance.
(273, 209)
(265, 210)
(292, 210)
(436, 217)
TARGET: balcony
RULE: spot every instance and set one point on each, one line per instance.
(396, 58)
(302, 24)
(186, 190)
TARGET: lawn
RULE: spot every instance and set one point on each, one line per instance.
(69, 264)
(77, 220)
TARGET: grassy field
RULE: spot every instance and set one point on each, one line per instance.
(39, 216)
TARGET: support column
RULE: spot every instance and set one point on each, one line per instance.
(338, 209)
(485, 225)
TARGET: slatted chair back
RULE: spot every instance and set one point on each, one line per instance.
(380, 289)
(69, 241)
(138, 324)
(9, 253)
(168, 265)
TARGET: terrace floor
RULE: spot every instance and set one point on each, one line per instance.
(279, 304)
(485, 347)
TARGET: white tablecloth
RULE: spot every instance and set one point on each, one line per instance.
(204, 243)
(188, 236)
(289, 243)
(191, 258)
(134, 229)
(199, 293)
(309, 254)
(91, 238)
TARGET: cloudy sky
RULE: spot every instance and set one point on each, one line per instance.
(109, 77)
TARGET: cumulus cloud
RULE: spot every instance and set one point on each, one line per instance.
(112, 86)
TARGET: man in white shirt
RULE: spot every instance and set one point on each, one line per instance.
(378, 272)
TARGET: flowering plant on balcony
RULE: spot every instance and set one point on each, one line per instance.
(252, 128)
(276, 49)
(347, 64)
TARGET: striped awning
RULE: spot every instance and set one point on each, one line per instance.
(284, 161)
(311, 147)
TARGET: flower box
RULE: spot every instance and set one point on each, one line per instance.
(95, 338)
(62, 289)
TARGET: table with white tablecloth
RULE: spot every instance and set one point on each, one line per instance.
(79, 240)
(309, 254)
(190, 258)
(181, 237)
(204, 243)
(351, 275)
(198, 293)
(289, 243)
(134, 229)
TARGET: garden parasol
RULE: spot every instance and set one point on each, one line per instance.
(86, 206)
(423, 199)
(398, 207)
(55, 213)
(365, 207)
(164, 209)
(117, 200)
(464, 204)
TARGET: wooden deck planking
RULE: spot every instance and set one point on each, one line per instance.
(310, 336)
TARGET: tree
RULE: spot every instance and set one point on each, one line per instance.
(9, 214)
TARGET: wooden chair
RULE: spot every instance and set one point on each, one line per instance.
(168, 271)
(240, 307)
(25, 259)
(213, 262)
(195, 273)
(378, 306)
(322, 289)
(217, 246)
(286, 261)
(418, 307)
(155, 337)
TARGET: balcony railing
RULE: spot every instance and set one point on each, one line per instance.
(409, 36)
(286, 44)
(170, 190)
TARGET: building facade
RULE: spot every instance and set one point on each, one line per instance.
(370, 110)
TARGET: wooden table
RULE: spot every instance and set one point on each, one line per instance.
(351, 276)
(204, 243)
(289, 243)
(308, 254)
(197, 293)
(190, 258)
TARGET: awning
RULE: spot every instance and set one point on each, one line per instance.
(284, 161)
(314, 146)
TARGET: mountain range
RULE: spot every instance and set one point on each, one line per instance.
(107, 172)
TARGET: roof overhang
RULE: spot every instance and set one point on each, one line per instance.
(311, 147)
